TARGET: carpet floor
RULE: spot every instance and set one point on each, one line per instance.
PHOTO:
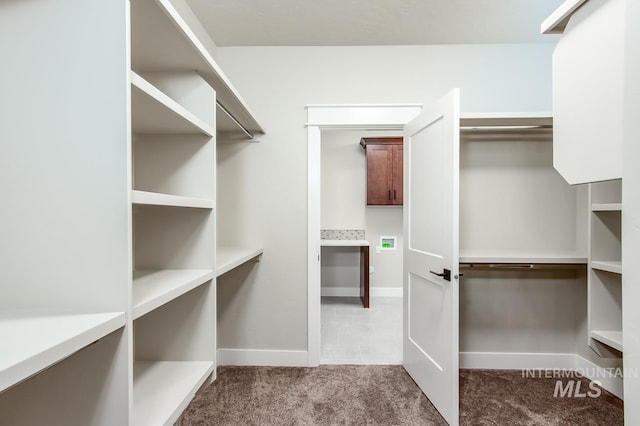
(386, 395)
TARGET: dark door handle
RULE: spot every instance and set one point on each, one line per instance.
(389, 195)
(446, 274)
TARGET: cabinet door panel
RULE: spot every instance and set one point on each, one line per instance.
(588, 94)
(379, 163)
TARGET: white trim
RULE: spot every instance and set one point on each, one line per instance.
(556, 22)
(516, 361)
(313, 248)
(340, 291)
(385, 291)
(320, 117)
(355, 291)
(349, 116)
(360, 105)
(542, 361)
(262, 357)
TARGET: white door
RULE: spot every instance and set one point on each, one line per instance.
(431, 170)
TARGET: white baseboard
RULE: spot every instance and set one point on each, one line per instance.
(549, 362)
(355, 291)
(588, 369)
(385, 291)
(516, 360)
(262, 357)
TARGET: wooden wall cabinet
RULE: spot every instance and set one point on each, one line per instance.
(384, 170)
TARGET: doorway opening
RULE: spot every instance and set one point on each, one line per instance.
(358, 214)
(322, 120)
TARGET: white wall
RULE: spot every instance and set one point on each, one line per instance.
(513, 200)
(343, 181)
(269, 309)
(385, 221)
(522, 311)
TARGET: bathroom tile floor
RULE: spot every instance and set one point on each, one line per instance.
(351, 334)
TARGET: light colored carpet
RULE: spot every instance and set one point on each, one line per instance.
(386, 395)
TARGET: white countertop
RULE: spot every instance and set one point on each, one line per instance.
(344, 243)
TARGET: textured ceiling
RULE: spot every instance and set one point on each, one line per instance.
(373, 22)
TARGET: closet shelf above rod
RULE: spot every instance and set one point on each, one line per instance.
(520, 266)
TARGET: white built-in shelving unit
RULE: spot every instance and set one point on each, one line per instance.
(169, 40)
(64, 280)
(605, 267)
(173, 193)
(514, 207)
(523, 245)
(588, 73)
(109, 299)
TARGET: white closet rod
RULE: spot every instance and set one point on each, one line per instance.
(488, 128)
(237, 123)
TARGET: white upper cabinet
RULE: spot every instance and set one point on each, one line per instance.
(588, 86)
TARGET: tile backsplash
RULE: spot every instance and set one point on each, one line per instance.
(342, 234)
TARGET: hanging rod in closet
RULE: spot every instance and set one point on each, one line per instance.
(520, 266)
(236, 122)
(505, 128)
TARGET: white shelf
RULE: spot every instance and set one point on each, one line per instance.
(162, 390)
(155, 199)
(609, 266)
(154, 112)
(548, 258)
(152, 289)
(228, 258)
(606, 207)
(506, 120)
(344, 243)
(610, 338)
(32, 342)
(557, 21)
(510, 127)
(161, 39)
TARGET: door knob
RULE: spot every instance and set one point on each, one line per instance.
(446, 274)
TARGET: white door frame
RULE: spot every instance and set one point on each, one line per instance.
(341, 117)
